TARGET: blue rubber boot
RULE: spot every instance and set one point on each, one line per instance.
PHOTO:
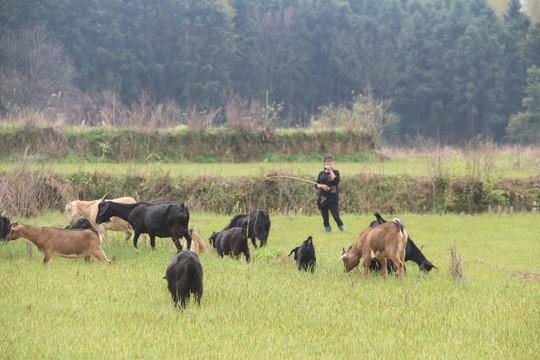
(327, 228)
(342, 228)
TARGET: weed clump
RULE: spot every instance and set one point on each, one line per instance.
(456, 264)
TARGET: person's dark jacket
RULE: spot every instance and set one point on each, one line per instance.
(328, 197)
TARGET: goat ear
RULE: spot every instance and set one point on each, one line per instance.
(104, 197)
(344, 256)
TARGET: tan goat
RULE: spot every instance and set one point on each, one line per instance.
(61, 242)
(197, 244)
(89, 209)
(387, 240)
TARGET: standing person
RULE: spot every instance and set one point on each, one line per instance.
(327, 183)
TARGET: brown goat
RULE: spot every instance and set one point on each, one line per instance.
(89, 209)
(61, 242)
(197, 244)
(385, 241)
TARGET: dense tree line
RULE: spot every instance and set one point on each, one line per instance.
(451, 69)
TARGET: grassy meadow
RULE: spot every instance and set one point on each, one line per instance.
(500, 162)
(267, 309)
(406, 166)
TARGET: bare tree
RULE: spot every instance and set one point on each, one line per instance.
(279, 54)
(34, 72)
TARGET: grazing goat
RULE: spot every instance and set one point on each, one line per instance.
(233, 241)
(258, 225)
(5, 228)
(412, 252)
(166, 219)
(305, 255)
(387, 240)
(89, 209)
(61, 242)
(82, 223)
(185, 276)
(197, 243)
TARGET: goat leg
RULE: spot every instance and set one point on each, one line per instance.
(100, 255)
(188, 238)
(177, 244)
(128, 235)
(367, 262)
(183, 300)
(29, 249)
(384, 268)
(103, 233)
(47, 257)
(400, 264)
(135, 239)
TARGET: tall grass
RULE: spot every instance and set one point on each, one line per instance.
(29, 189)
(268, 309)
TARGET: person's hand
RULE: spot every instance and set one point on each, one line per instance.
(326, 187)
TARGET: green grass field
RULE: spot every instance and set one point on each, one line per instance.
(502, 164)
(267, 309)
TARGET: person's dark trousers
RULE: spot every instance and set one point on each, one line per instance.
(335, 214)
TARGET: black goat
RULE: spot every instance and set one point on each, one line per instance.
(184, 276)
(82, 223)
(258, 225)
(412, 252)
(305, 255)
(5, 226)
(166, 219)
(233, 241)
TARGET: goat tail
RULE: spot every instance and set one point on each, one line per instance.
(293, 251)
(405, 238)
(399, 224)
(379, 218)
(191, 267)
(265, 215)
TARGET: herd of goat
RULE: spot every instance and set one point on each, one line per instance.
(384, 246)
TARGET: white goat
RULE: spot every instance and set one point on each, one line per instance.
(61, 242)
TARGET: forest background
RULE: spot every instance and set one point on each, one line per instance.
(447, 71)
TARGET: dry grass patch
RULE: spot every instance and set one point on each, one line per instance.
(526, 276)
